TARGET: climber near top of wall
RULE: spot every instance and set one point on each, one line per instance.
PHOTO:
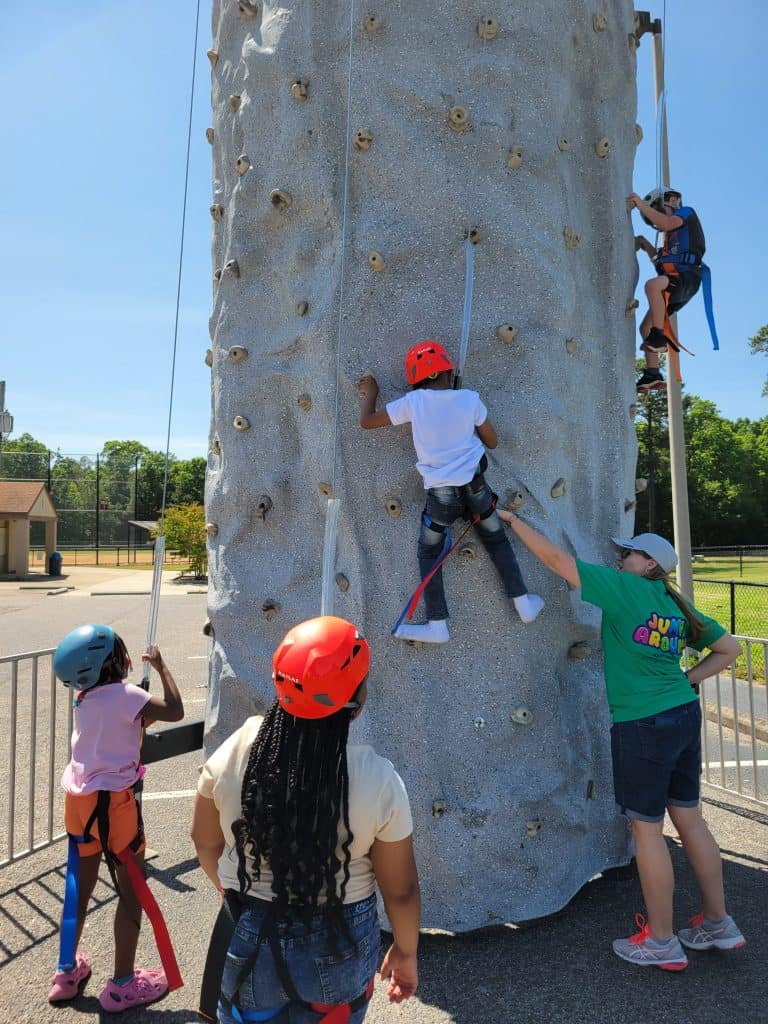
(449, 428)
(656, 732)
(679, 268)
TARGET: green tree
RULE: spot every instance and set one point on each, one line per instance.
(24, 458)
(118, 472)
(150, 484)
(759, 344)
(185, 533)
(187, 481)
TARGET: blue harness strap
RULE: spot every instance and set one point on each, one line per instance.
(246, 1016)
(68, 932)
(706, 287)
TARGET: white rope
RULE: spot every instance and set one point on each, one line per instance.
(329, 556)
(469, 281)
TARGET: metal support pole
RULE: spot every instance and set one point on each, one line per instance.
(98, 503)
(678, 472)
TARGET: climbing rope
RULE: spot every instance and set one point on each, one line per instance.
(469, 281)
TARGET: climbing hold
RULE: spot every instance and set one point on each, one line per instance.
(217, 275)
(468, 551)
(213, 57)
(632, 42)
(641, 484)
(302, 308)
(599, 22)
(211, 530)
(325, 489)
(371, 24)
(241, 423)
(439, 807)
(579, 651)
(232, 267)
(235, 101)
(280, 200)
(209, 357)
(515, 158)
(237, 353)
(591, 789)
(270, 608)
(248, 8)
(571, 238)
(209, 135)
(631, 306)
(602, 147)
(506, 333)
(342, 582)
(522, 716)
(563, 144)
(215, 446)
(393, 507)
(458, 118)
(628, 505)
(217, 211)
(632, 411)
(375, 261)
(300, 89)
(488, 28)
(242, 164)
(639, 132)
(514, 500)
(263, 505)
(207, 630)
(363, 140)
(475, 236)
(558, 488)
(479, 723)
(533, 827)
(305, 402)
(570, 346)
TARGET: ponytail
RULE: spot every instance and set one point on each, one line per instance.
(695, 625)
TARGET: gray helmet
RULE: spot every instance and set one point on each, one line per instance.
(656, 199)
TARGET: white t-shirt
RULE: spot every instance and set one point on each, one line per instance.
(378, 809)
(443, 425)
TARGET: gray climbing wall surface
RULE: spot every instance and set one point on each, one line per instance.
(353, 151)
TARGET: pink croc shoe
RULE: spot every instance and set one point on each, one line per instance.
(67, 985)
(145, 987)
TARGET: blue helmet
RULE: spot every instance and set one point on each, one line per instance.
(80, 657)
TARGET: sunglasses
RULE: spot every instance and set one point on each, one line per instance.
(626, 552)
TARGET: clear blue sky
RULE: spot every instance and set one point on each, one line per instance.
(94, 99)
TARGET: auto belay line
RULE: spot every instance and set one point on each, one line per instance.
(469, 281)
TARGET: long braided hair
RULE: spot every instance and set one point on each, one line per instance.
(695, 625)
(295, 794)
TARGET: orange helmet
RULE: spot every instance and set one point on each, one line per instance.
(424, 360)
(318, 666)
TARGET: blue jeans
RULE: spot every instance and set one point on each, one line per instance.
(444, 506)
(317, 974)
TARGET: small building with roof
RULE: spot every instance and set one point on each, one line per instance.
(23, 502)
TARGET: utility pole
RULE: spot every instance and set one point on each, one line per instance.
(6, 420)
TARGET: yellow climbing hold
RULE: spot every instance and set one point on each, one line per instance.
(458, 118)
(363, 140)
(376, 261)
(563, 144)
(602, 147)
(280, 200)
(571, 237)
(515, 158)
(506, 333)
(599, 22)
(488, 27)
(300, 89)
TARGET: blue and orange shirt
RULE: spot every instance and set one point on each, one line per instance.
(687, 239)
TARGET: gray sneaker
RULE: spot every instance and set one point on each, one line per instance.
(646, 951)
(704, 934)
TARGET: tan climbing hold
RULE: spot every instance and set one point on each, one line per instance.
(514, 500)
(563, 144)
(217, 275)
(248, 8)
(515, 158)
(570, 346)
(521, 716)
(263, 505)
(302, 308)
(639, 132)
(241, 423)
(300, 89)
(325, 489)
(603, 147)
(213, 57)
(632, 411)
(488, 27)
(270, 608)
(217, 211)
(376, 261)
(599, 22)
(280, 200)
(211, 530)
(342, 582)
(631, 306)
(641, 484)
(632, 42)
(439, 807)
(371, 24)
(475, 236)
(591, 789)
(629, 505)
(558, 488)
(393, 507)
(209, 357)
(506, 333)
(232, 267)
(579, 651)
(234, 101)
(458, 118)
(571, 237)
(304, 402)
(533, 827)
(468, 551)
(242, 164)
(209, 134)
(237, 353)
(216, 446)
(363, 140)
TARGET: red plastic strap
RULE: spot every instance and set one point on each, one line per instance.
(151, 909)
(341, 1013)
(438, 565)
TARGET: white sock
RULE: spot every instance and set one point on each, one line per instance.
(433, 632)
(528, 606)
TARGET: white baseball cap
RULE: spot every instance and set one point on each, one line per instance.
(654, 546)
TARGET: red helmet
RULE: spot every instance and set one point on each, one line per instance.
(318, 666)
(425, 359)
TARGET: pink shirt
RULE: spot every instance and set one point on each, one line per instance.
(105, 740)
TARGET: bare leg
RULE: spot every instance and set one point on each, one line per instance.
(88, 873)
(127, 922)
(654, 289)
(704, 857)
(654, 865)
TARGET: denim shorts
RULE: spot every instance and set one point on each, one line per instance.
(318, 974)
(657, 762)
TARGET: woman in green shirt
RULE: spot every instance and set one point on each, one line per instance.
(656, 732)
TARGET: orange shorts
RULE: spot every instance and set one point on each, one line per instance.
(123, 821)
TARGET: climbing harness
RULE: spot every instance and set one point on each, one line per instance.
(469, 281)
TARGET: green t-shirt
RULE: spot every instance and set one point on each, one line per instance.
(644, 635)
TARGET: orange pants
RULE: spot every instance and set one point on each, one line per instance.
(123, 821)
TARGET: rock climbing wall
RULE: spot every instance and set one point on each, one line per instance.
(354, 150)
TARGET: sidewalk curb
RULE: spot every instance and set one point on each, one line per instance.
(744, 723)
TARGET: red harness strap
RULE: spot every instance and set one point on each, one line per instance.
(341, 1013)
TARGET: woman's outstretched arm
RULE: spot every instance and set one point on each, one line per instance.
(549, 554)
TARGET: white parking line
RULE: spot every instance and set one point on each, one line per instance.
(170, 794)
(745, 763)
(197, 657)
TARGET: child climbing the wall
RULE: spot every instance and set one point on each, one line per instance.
(679, 269)
(101, 814)
(450, 428)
